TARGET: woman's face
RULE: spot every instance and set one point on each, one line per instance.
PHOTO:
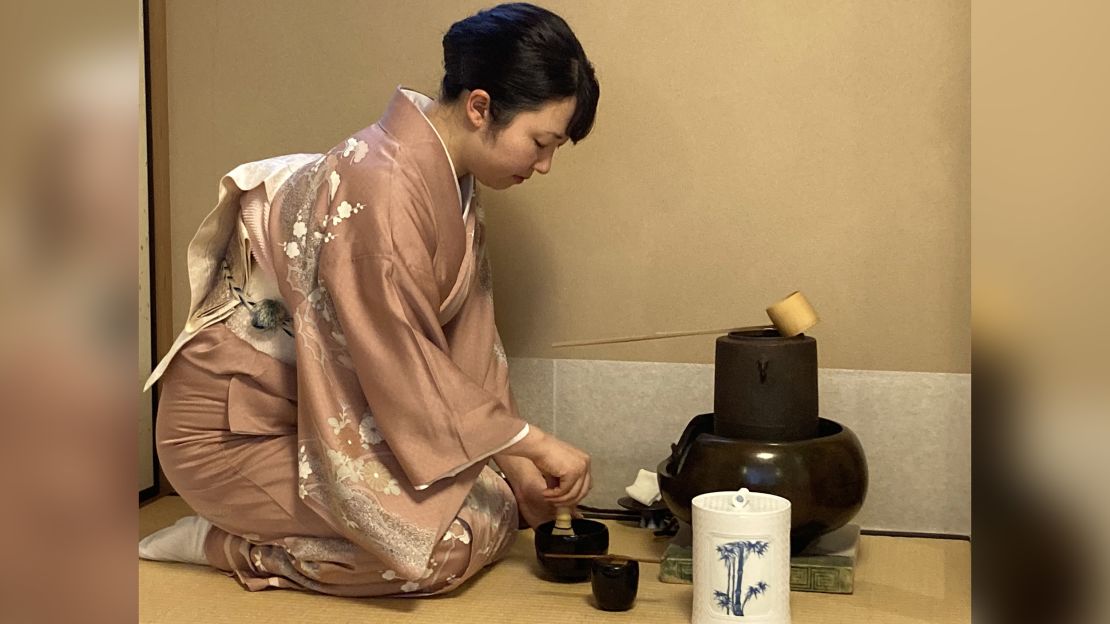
(525, 146)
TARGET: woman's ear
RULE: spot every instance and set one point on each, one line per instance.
(477, 108)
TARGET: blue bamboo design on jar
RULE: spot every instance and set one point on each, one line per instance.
(735, 555)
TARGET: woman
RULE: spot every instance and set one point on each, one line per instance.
(339, 389)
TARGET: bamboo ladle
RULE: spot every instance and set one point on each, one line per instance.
(790, 316)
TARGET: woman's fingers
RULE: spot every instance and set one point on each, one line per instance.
(568, 472)
(570, 496)
(560, 493)
(570, 492)
(555, 495)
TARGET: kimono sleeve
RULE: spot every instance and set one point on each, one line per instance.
(435, 416)
(475, 341)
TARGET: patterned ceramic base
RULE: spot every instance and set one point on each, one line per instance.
(828, 566)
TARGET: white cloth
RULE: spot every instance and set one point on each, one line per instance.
(646, 488)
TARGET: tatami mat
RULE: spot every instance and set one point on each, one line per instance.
(899, 580)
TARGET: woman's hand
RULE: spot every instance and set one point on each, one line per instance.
(566, 468)
(528, 485)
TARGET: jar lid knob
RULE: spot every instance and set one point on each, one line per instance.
(741, 500)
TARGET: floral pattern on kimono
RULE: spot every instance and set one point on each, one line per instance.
(402, 381)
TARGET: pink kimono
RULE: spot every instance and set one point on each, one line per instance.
(340, 444)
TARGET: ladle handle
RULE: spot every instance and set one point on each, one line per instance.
(791, 316)
(656, 336)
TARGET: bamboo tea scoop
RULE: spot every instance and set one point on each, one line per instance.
(563, 524)
(610, 556)
(791, 316)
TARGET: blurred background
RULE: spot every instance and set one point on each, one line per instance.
(75, 193)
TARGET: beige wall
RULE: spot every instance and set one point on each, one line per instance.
(742, 150)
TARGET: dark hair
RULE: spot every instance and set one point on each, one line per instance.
(524, 57)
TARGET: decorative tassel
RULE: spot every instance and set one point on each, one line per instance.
(268, 314)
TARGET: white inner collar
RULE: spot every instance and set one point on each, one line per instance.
(465, 187)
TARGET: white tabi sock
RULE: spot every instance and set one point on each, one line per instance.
(183, 542)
